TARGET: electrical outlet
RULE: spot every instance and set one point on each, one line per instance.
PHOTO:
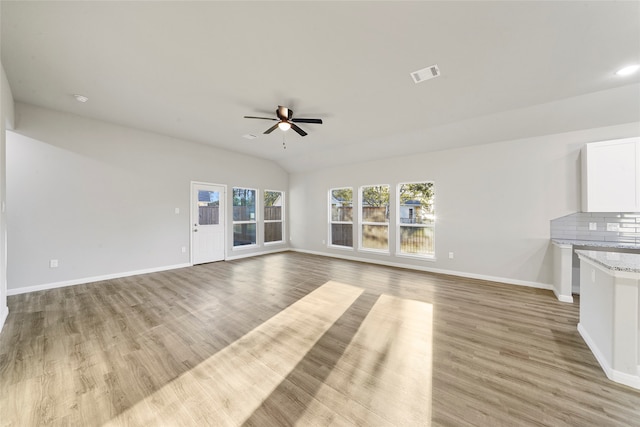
(593, 226)
(53, 263)
(177, 211)
(613, 226)
(184, 249)
(324, 242)
(450, 255)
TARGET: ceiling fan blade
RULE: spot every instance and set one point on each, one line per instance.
(271, 129)
(262, 118)
(297, 129)
(300, 120)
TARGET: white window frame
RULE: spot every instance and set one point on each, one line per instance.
(331, 221)
(362, 223)
(399, 224)
(281, 220)
(254, 221)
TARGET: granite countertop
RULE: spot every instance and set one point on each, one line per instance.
(615, 261)
(597, 243)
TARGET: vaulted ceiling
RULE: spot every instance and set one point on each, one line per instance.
(192, 70)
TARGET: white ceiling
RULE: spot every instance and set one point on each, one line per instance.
(192, 70)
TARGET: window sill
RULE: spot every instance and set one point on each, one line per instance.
(418, 257)
(244, 247)
(343, 248)
(374, 251)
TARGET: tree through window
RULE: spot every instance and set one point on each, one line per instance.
(416, 219)
(374, 220)
(341, 217)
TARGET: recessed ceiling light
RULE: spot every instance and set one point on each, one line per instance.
(81, 98)
(628, 70)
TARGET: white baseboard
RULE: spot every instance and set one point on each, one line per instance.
(84, 280)
(3, 316)
(27, 289)
(62, 284)
(434, 270)
(614, 375)
(563, 298)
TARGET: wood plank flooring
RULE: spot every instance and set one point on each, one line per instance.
(296, 339)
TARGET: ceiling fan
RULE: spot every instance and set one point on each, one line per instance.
(286, 121)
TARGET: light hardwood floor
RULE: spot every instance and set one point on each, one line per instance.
(296, 339)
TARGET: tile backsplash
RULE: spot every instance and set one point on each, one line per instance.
(576, 227)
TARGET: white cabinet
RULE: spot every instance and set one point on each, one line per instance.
(611, 176)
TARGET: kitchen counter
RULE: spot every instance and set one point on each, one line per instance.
(614, 261)
(563, 265)
(610, 312)
(597, 244)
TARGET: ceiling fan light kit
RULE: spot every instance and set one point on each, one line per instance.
(286, 121)
(284, 126)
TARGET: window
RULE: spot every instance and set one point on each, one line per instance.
(273, 205)
(374, 225)
(341, 217)
(208, 207)
(416, 219)
(244, 216)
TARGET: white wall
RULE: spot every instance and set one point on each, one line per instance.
(493, 203)
(6, 122)
(100, 198)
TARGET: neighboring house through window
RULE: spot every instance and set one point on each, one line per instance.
(416, 219)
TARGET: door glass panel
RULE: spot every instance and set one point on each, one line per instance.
(208, 207)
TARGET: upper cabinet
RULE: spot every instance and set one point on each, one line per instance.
(611, 176)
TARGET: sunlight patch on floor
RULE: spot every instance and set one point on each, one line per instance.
(227, 388)
(384, 376)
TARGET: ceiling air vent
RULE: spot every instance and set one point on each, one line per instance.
(425, 74)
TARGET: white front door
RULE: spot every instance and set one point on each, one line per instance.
(207, 222)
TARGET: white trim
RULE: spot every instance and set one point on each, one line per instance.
(223, 199)
(3, 316)
(244, 247)
(248, 255)
(431, 258)
(399, 225)
(283, 206)
(340, 247)
(54, 285)
(562, 298)
(329, 230)
(505, 280)
(361, 222)
(255, 221)
(614, 375)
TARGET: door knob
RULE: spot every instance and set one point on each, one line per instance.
(195, 230)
